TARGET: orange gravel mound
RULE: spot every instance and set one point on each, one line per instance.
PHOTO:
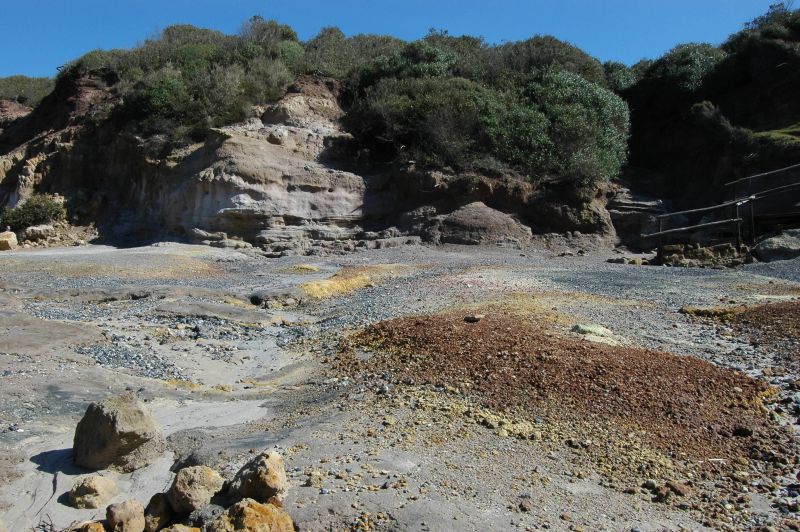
(682, 404)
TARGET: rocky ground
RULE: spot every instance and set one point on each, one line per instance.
(579, 394)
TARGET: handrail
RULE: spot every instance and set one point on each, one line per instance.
(682, 229)
(711, 208)
(779, 170)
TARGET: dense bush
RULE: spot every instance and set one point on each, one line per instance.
(560, 126)
(25, 90)
(37, 209)
(685, 66)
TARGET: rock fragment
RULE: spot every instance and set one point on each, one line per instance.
(193, 488)
(263, 478)
(118, 433)
(126, 516)
(92, 491)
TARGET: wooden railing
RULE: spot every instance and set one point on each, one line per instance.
(735, 204)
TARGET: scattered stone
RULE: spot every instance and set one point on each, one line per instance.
(93, 491)
(87, 526)
(263, 478)
(8, 241)
(118, 433)
(251, 516)
(526, 506)
(157, 513)
(474, 318)
(126, 516)
(180, 528)
(678, 489)
(598, 334)
(193, 488)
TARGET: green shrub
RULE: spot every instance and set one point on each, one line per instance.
(545, 52)
(25, 90)
(38, 209)
(685, 66)
(619, 76)
(561, 126)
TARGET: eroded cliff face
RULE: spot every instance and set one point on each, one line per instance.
(277, 181)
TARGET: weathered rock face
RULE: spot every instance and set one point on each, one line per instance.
(250, 516)
(117, 433)
(126, 516)
(8, 241)
(263, 478)
(478, 224)
(780, 247)
(93, 491)
(193, 488)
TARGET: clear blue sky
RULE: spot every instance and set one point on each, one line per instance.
(36, 36)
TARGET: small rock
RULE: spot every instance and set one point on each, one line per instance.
(126, 516)
(87, 526)
(250, 516)
(157, 513)
(193, 488)
(92, 492)
(526, 506)
(263, 478)
(678, 489)
(474, 318)
(180, 528)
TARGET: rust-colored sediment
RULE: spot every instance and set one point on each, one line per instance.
(680, 403)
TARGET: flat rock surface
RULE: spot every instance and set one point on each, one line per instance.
(389, 447)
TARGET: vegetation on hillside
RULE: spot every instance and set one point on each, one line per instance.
(25, 90)
(540, 108)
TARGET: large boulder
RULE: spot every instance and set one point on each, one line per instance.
(251, 516)
(117, 433)
(39, 232)
(263, 478)
(476, 223)
(126, 516)
(193, 488)
(92, 491)
(8, 241)
(780, 247)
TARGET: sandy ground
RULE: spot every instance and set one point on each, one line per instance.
(175, 325)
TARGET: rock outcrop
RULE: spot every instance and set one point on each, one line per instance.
(118, 433)
(478, 224)
(93, 491)
(784, 246)
(287, 181)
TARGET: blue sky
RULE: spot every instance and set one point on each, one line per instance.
(36, 36)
